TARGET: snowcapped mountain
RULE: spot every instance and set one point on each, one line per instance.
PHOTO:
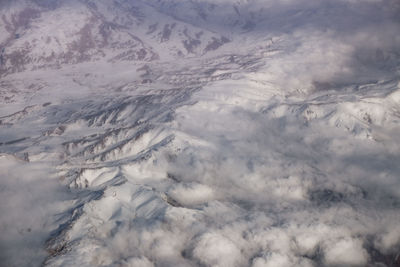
(40, 35)
(199, 133)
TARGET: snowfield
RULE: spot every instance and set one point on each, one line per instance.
(200, 133)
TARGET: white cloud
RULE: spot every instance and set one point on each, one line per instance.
(213, 249)
(346, 252)
(30, 199)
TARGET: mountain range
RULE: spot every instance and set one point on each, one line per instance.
(199, 133)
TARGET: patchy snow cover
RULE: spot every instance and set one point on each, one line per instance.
(277, 148)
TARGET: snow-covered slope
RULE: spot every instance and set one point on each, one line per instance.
(200, 133)
(36, 35)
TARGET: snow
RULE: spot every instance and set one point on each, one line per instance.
(279, 148)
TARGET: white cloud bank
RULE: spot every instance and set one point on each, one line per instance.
(30, 199)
